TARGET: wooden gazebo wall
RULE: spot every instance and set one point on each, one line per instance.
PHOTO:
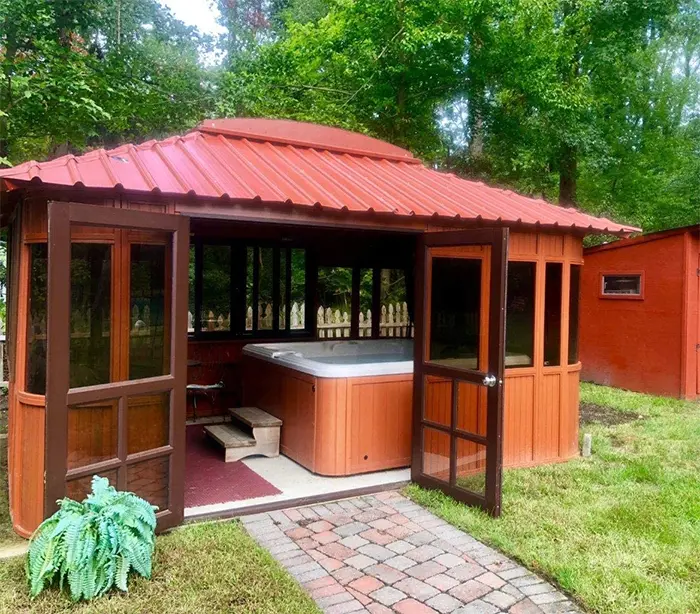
(541, 402)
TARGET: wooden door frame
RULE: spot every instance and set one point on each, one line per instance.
(61, 215)
(497, 238)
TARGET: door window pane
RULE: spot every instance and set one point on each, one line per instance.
(552, 313)
(455, 312)
(92, 433)
(80, 488)
(436, 454)
(36, 320)
(334, 302)
(149, 480)
(520, 314)
(297, 292)
(471, 408)
(149, 337)
(365, 315)
(148, 422)
(265, 288)
(574, 294)
(437, 404)
(471, 466)
(216, 288)
(393, 298)
(91, 303)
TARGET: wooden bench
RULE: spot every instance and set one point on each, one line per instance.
(251, 431)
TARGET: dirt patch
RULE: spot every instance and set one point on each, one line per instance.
(592, 413)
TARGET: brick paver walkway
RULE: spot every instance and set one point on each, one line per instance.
(383, 553)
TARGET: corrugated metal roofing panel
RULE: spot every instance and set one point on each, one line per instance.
(302, 164)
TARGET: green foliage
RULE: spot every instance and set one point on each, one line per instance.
(94, 544)
(590, 102)
(80, 73)
(367, 65)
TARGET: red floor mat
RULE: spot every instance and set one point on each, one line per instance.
(209, 480)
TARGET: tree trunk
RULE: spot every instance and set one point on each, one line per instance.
(567, 175)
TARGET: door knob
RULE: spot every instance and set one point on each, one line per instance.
(490, 381)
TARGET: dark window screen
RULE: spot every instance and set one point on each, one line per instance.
(91, 308)
(36, 324)
(575, 289)
(216, 288)
(552, 313)
(455, 312)
(520, 314)
(148, 335)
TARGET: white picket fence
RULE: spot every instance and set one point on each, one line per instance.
(331, 324)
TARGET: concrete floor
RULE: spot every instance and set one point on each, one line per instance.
(296, 482)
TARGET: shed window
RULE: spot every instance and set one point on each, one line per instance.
(552, 313)
(622, 285)
(574, 293)
(520, 314)
(246, 290)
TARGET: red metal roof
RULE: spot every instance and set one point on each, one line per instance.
(281, 161)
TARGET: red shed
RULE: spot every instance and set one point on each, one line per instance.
(640, 322)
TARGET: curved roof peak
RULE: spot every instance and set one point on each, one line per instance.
(305, 134)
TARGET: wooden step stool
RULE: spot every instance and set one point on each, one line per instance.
(251, 431)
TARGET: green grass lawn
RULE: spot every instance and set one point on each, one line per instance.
(620, 531)
(207, 568)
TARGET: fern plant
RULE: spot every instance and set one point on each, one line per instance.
(94, 544)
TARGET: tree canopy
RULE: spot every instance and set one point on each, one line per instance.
(592, 103)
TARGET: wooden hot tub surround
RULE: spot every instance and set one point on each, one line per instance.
(335, 426)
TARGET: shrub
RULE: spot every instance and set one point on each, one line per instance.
(94, 544)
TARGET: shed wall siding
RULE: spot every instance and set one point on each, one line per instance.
(631, 343)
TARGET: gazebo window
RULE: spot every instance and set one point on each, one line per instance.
(334, 302)
(362, 302)
(215, 310)
(241, 290)
(36, 319)
(574, 294)
(394, 320)
(552, 313)
(520, 314)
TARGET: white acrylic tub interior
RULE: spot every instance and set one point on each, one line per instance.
(339, 358)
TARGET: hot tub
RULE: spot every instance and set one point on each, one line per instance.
(339, 358)
(345, 405)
